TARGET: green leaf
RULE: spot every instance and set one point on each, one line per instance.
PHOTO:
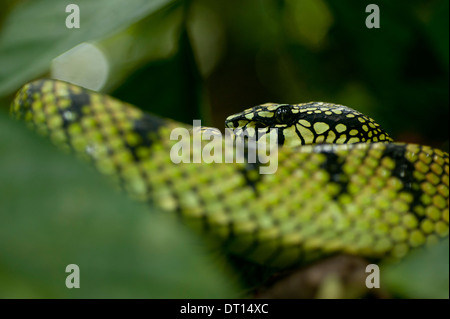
(56, 211)
(35, 32)
(423, 274)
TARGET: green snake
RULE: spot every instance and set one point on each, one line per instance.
(352, 190)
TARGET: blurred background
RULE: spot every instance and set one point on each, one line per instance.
(209, 59)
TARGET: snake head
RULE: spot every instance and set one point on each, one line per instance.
(308, 123)
(262, 116)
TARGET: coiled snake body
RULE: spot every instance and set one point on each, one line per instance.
(369, 197)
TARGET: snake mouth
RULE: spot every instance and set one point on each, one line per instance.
(242, 119)
(242, 124)
(238, 120)
(232, 122)
(245, 120)
(268, 115)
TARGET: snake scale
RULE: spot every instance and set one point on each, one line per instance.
(352, 190)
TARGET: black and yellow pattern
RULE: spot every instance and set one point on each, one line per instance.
(310, 123)
(376, 199)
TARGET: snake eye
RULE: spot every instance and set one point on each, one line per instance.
(283, 115)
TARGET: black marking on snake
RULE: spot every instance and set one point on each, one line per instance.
(35, 87)
(78, 101)
(74, 112)
(333, 165)
(144, 127)
(206, 226)
(403, 170)
(246, 172)
(280, 136)
(250, 168)
(300, 136)
(25, 104)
